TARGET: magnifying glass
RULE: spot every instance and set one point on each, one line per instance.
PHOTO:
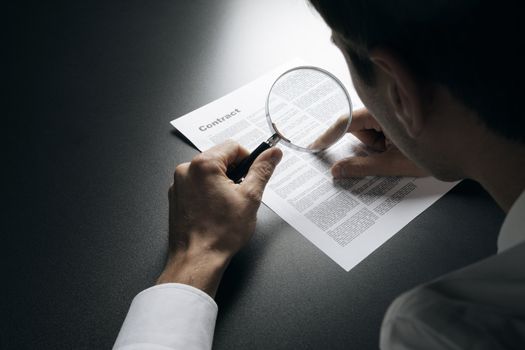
(307, 109)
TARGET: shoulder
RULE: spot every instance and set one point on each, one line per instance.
(420, 319)
(413, 319)
(430, 318)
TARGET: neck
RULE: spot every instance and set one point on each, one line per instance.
(500, 169)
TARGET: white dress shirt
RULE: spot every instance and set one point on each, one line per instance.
(481, 306)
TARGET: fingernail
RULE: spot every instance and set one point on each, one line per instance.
(276, 157)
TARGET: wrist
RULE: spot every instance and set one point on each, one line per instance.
(199, 268)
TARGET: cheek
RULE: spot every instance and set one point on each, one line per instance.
(377, 105)
(365, 92)
(368, 95)
(359, 86)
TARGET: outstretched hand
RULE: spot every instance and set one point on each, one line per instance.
(211, 217)
(387, 161)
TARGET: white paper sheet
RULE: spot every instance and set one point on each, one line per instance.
(346, 219)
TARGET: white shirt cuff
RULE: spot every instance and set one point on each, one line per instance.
(169, 316)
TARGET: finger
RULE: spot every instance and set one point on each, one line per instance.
(371, 138)
(363, 120)
(180, 172)
(363, 126)
(367, 130)
(242, 153)
(388, 163)
(260, 173)
(332, 134)
(226, 153)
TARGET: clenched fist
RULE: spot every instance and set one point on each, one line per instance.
(211, 217)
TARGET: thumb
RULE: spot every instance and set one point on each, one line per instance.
(388, 163)
(261, 171)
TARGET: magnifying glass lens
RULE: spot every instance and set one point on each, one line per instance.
(309, 108)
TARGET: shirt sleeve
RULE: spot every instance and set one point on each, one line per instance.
(169, 316)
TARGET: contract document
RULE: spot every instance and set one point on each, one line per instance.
(347, 219)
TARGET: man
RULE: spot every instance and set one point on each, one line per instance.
(442, 82)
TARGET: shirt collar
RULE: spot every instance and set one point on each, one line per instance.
(512, 231)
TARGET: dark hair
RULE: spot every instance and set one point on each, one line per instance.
(474, 48)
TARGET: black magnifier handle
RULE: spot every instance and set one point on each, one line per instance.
(239, 172)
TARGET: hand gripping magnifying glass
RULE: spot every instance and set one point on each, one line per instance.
(307, 109)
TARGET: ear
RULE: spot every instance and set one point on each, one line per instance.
(404, 91)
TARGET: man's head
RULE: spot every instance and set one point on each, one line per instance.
(418, 64)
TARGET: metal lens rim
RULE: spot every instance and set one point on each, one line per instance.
(325, 72)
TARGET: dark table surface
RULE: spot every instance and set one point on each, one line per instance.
(90, 156)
